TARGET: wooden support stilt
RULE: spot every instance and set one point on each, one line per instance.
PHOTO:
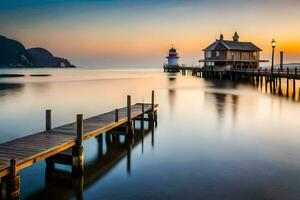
(108, 139)
(49, 163)
(294, 88)
(274, 85)
(287, 83)
(266, 84)
(294, 84)
(142, 118)
(100, 145)
(77, 150)
(279, 87)
(270, 82)
(130, 130)
(151, 113)
(13, 182)
(117, 115)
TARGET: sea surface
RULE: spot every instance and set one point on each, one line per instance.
(214, 139)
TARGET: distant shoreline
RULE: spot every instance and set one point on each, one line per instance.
(21, 75)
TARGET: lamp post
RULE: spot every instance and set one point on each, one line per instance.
(273, 43)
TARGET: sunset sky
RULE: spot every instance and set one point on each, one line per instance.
(121, 33)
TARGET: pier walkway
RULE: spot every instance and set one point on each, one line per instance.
(21, 153)
(271, 79)
(289, 73)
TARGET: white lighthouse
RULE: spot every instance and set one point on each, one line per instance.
(173, 59)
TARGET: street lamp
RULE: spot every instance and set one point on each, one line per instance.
(273, 43)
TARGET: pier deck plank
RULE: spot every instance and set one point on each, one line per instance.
(39, 146)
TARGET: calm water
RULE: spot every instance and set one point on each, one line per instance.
(214, 139)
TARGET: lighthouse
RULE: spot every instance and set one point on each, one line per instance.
(173, 59)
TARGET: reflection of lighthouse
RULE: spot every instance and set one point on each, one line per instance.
(173, 59)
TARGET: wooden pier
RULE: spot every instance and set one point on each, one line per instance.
(272, 78)
(63, 144)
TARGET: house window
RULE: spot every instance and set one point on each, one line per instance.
(217, 53)
(208, 54)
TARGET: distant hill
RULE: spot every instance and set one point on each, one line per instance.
(43, 58)
(14, 54)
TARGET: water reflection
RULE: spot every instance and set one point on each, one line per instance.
(235, 102)
(220, 99)
(192, 159)
(60, 185)
(172, 92)
(10, 88)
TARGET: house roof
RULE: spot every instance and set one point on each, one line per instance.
(232, 45)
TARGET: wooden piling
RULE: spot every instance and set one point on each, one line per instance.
(49, 163)
(287, 82)
(100, 145)
(151, 113)
(270, 82)
(13, 182)
(130, 130)
(294, 83)
(279, 89)
(48, 119)
(152, 100)
(142, 117)
(266, 79)
(77, 150)
(117, 115)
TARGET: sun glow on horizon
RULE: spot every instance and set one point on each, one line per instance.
(131, 31)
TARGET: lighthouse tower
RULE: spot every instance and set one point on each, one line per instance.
(173, 59)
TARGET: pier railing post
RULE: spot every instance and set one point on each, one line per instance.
(152, 100)
(13, 182)
(130, 130)
(77, 151)
(151, 116)
(48, 119)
